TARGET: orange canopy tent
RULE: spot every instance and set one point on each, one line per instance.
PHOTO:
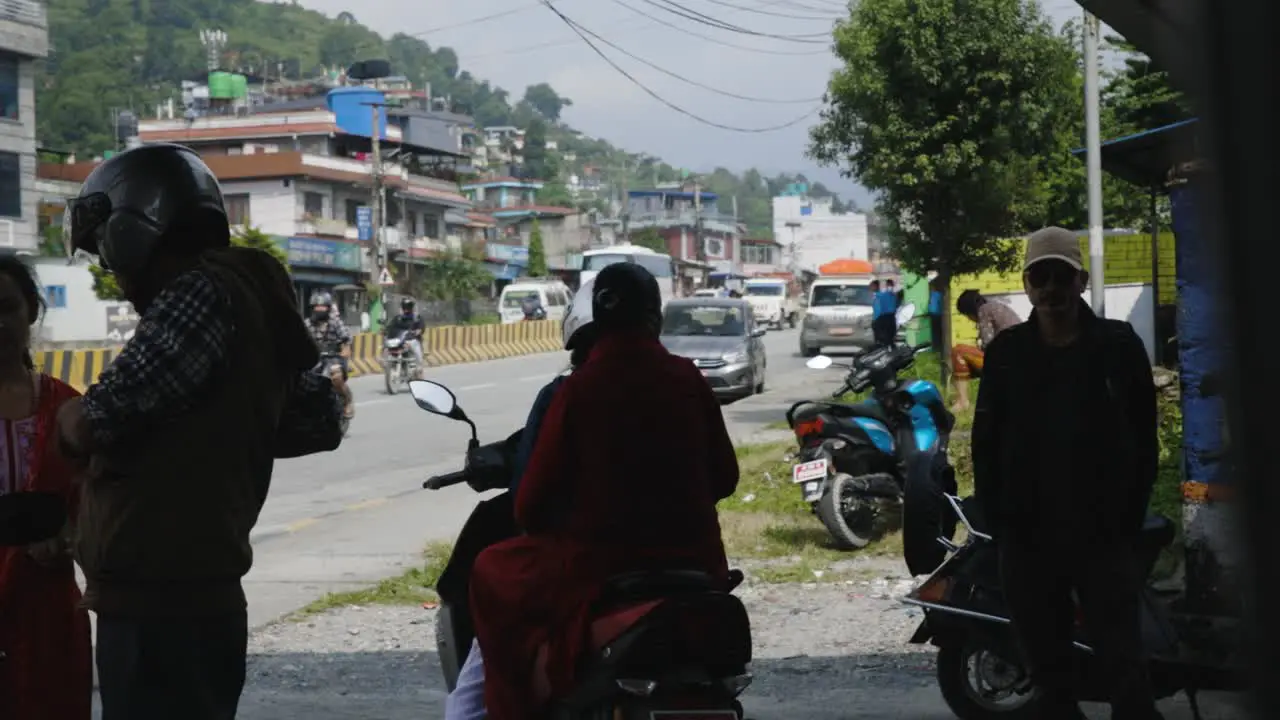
(846, 266)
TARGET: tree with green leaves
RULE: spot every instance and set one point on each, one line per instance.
(452, 277)
(106, 288)
(952, 113)
(539, 163)
(650, 238)
(537, 252)
(543, 98)
(556, 194)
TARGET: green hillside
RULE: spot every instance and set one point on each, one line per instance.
(131, 54)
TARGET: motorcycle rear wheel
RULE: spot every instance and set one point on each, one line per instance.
(835, 514)
(965, 691)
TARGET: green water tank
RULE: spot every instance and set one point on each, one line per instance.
(221, 86)
(239, 86)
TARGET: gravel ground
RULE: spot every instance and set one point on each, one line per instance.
(822, 652)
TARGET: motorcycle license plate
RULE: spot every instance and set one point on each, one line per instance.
(811, 471)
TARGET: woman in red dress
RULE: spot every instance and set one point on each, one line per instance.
(46, 670)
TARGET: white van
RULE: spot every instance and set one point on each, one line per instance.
(553, 294)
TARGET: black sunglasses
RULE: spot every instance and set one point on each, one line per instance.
(1059, 273)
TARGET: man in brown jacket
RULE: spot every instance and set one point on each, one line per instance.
(183, 429)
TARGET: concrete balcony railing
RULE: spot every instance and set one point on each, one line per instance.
(325, 227)
(678, 217)
(24, 28)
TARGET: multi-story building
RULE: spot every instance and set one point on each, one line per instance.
(679, 213)
(24, 39)
(761, 256)
(812, 235)
(306, 176)
(513, 204)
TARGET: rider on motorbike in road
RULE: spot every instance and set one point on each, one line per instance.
(637, 440)
(410, 324)
(466, 702)
(332, 335)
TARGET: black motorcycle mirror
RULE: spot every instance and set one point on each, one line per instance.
(30, 517)
(439, 400)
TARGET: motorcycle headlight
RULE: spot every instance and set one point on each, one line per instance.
(733, 358)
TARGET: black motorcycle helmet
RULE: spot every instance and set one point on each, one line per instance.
(626, 296)
(143, 199)
(407, 305)
(321, 305)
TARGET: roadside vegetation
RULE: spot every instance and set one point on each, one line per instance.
(415, 586)
(771, 533)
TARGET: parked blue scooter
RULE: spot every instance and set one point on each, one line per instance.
(866, 466)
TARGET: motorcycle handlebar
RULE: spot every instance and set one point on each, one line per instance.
(438, 482)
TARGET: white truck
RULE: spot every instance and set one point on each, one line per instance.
(773, 301)
(839, 314)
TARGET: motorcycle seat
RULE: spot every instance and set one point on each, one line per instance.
(604, 629)
(862, 410)
(656, 584)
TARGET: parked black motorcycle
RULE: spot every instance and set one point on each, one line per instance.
(643, 663)
(864, 466)
(980, 671)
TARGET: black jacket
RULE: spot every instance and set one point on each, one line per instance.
(1007, 472)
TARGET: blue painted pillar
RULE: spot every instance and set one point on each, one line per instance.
(1201, 348)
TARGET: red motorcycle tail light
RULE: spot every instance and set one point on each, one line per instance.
(808, 427)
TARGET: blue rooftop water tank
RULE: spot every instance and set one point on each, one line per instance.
(350, 106)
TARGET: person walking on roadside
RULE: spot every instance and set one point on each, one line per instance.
(935, 315)
(1065, 456)
(884, 306)
(46, 660)
(992, 318)
(596, 499)
(180, 433)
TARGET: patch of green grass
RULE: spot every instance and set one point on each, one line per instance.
(415, 586)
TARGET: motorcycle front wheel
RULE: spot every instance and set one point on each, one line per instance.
(392, 375)
(979, 684)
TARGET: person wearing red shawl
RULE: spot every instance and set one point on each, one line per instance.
(631, 460)
(46, 670)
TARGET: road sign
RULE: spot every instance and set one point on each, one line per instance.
(364, 222)
(385, 279)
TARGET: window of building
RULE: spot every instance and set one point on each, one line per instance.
(10, 184)
(431, 226)
(313, 204)
(237, 208)
(757, 254)
(9, 87)
(55, 296)
(353, 211)
(412, 220)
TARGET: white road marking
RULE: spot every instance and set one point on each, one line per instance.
(477, 387)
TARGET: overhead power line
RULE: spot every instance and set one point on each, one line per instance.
(758, 11)
(689, 14)
(659, 98)
(715, 40)
(577, 26)
(476, 20)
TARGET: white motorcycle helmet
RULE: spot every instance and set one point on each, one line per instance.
(578, 315)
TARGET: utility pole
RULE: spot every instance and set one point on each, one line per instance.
(700, 250)
(1093, 145)
(377, 203)
(626, 204)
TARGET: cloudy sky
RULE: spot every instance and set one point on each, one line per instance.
(516, 43)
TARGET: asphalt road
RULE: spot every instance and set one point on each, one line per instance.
(347, 518)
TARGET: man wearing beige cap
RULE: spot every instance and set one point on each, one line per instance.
(1064, 458)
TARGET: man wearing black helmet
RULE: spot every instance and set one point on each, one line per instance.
(182, 430)
(626, 471)
(409, 324)
(332, 336)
